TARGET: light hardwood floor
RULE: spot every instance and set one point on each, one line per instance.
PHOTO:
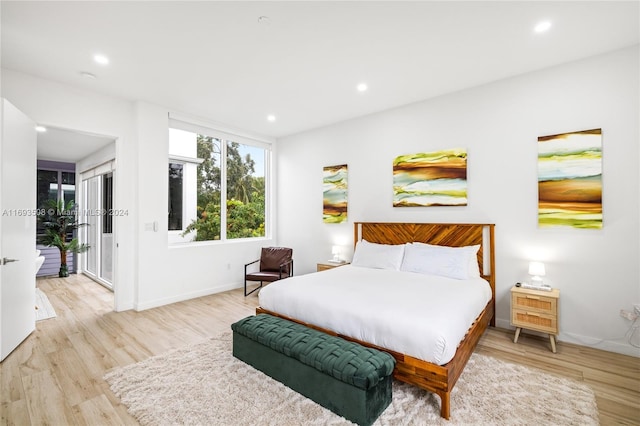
(55, 376)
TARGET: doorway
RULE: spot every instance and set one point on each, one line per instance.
(93, 157)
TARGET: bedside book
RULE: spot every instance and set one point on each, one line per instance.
(536, 287)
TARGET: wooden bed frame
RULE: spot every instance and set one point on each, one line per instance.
(439, 379)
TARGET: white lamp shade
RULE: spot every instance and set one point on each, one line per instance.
(536, 269)
(336, 251)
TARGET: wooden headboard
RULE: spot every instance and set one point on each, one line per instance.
(444, 234)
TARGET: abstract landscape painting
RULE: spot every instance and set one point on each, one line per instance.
(334, 189)
(430, 179)
(570, 180)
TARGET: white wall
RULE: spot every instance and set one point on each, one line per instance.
(97, 158)
(595, 270)
(57, 105)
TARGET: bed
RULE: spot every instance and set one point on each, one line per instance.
(439, 375)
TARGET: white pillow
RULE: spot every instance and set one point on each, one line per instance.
(454, 262)
(379, 256)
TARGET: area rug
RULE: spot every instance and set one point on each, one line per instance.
(44, 310)
(203, 384)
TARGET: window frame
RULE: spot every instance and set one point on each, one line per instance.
(225, 136)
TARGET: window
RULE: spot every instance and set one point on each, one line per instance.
(245, 191)
(107, 203)
(217, 185)
(54, 185)
(175, 196)
(68, 187)
(208, 188)
(47, 186)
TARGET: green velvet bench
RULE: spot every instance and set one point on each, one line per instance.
(345, 377)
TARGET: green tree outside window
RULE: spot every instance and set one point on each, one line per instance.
(245, 199)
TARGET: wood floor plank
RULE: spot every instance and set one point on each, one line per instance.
(621, 395)
(14, 413)
(33, 358)
(594, 374)
(98, 411)
(11, 381)
(68, 368)
(46, 401)
(96, 359)
(117, 406)
(52, 337)
(55, 376)
(129, 355)
(616, 413)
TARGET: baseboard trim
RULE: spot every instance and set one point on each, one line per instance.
(185, 296)
(619, 347)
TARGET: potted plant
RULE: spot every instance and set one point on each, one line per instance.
(60, 222)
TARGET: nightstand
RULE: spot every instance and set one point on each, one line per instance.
(535, 310)
(323, 266)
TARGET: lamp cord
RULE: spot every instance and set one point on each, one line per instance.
(633, 328)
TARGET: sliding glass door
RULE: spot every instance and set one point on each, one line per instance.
(98, 233)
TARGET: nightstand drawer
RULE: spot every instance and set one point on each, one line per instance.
(329, 265)
(534, 303)
(534, 321)
(324, 267)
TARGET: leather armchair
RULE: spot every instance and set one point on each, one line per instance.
(276, 263)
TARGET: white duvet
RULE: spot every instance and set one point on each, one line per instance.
(424, 316)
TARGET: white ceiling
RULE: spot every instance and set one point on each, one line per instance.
(215, 60)
(68, 146)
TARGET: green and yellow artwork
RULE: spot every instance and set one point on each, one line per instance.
(570, 180)
(430, 179)
(334, 189)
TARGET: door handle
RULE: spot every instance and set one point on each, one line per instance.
(6, 260)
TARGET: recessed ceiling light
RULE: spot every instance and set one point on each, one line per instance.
(362, 87)
(88, 75)
(271, 118)
(101, 59)
(41, 129)
(542, 26)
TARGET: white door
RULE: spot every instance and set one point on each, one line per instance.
(17, 228)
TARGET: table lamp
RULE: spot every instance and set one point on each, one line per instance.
(335, 251)
(536, 270)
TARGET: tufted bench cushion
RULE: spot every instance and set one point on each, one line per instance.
(348, 378)
(346, 361)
